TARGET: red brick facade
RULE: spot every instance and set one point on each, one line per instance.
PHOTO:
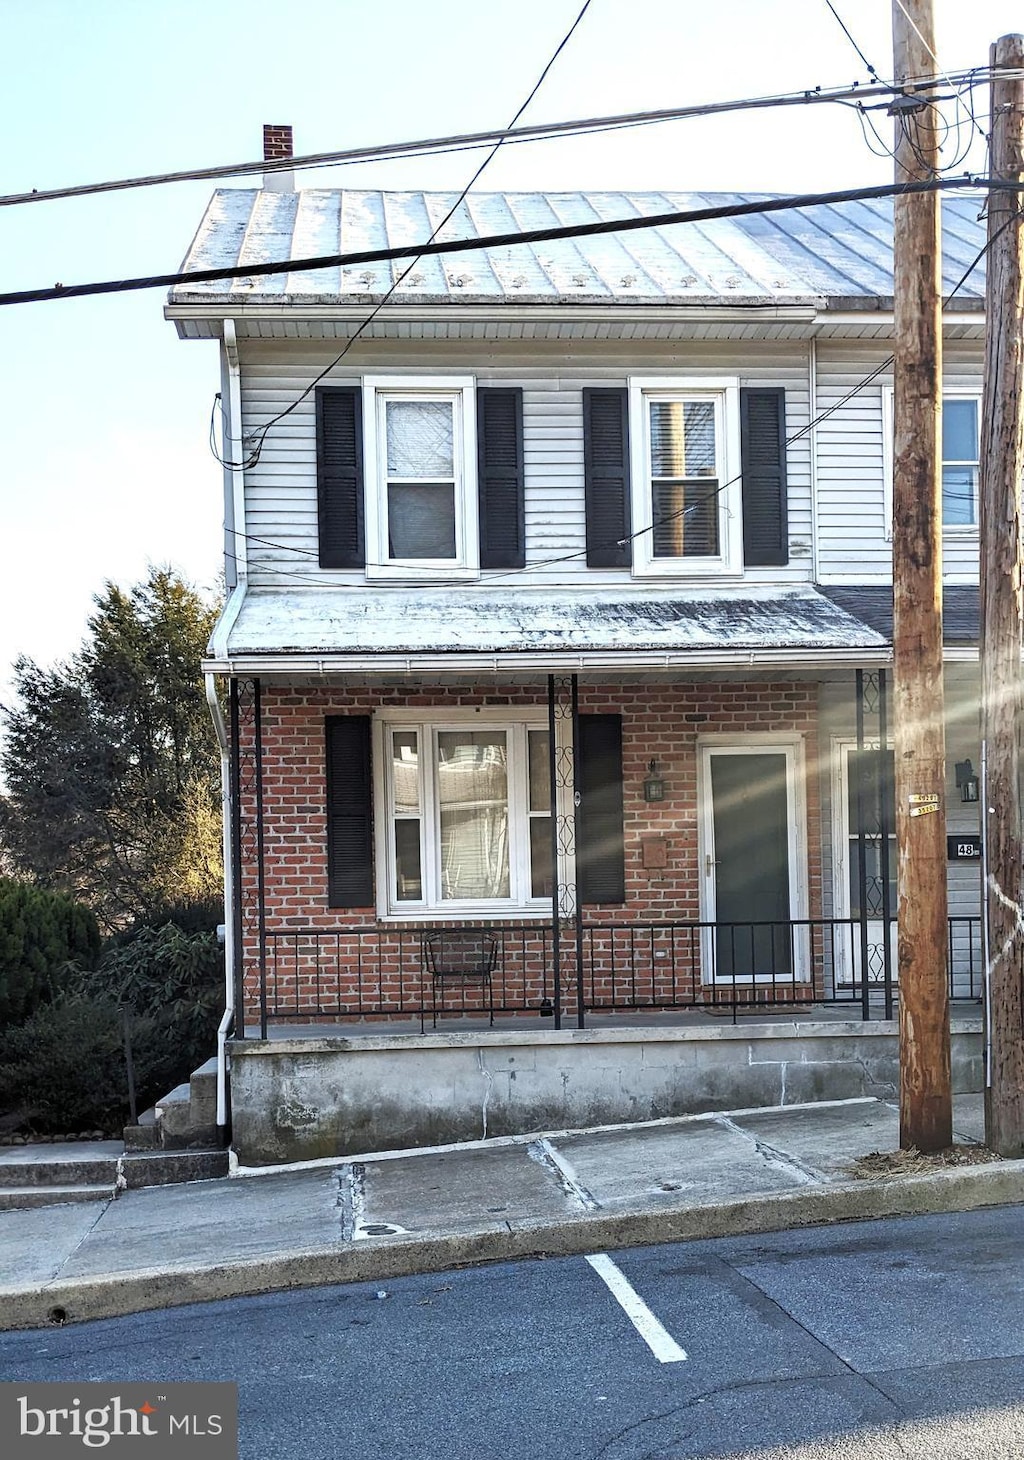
(660, 722)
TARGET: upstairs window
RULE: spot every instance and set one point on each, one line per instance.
(420, 478)
(683, 436)
(961, 416)
(687, 511)
(421, 489)
(959, 461)
(420, 475)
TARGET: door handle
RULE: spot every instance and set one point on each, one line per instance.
(709, 862)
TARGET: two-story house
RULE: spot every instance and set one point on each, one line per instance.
(560, 603)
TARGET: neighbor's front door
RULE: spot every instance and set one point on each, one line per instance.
(750, 868)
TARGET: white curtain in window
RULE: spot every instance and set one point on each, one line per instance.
(472, 773)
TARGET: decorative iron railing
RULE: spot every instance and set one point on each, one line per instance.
(383, 973)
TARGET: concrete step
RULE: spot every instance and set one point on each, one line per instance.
(50, 1174)
(62, 1164)
(186, 1117)
(16, 1198)
(162, 1168)
(203, 1094)
(145, 1136)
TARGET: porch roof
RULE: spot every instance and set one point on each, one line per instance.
(464, 623)
(871, 603)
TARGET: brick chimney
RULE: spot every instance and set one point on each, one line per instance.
(277, 144)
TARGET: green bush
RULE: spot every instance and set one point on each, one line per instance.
(191, 917)
(169, 975)
(63, 1070)
(42, 933)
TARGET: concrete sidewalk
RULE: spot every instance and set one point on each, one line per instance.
(378, 1217)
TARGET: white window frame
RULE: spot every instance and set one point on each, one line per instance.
(517, 721)
(460, 390)
(954, 530)
(724, 392)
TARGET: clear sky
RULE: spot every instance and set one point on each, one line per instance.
(106, 466)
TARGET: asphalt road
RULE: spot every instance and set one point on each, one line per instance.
(881, 1339)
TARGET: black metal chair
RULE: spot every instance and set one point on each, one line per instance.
(461, 956)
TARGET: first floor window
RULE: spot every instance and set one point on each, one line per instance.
(469, 814)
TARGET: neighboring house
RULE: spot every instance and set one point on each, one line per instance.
(568, 588)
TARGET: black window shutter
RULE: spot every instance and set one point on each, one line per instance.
(763, 448)
(500, 477)
(349, 812)
(606, 476)
(601, 854)
(339, 476)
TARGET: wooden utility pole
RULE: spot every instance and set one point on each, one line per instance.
(926, 1101)
(1002, 691)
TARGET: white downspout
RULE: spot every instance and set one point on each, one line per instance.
(236, 574)
(228, 1019)
(812, 416)
(234, 456)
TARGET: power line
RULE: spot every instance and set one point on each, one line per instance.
(843, 26)
(464, 141)
(506, 240)
(805, 430)
(263, 431)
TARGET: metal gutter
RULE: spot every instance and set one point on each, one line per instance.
(512, 662)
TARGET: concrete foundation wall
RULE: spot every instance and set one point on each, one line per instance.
(300, 1099)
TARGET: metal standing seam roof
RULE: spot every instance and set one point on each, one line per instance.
(831, 252)
(477, 621)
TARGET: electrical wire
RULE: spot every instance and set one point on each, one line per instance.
(263, 431)
(467, 141)
(867, 64)
(968, 181)
(518, 573)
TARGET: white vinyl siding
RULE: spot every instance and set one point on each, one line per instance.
(281, 517)
(854, 534)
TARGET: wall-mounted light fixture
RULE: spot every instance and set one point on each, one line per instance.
(654, 784)
(966, 780)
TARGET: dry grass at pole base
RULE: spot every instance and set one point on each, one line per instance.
(888, 1165)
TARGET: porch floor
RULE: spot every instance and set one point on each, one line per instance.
(641, 1019)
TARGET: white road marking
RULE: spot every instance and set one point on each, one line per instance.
(654, 1334)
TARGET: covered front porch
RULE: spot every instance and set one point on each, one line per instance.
(745, 867)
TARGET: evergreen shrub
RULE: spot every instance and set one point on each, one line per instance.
(43, 935)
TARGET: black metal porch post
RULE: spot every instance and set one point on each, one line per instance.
(556, 942)
(234, 912)
(884, 831)
(567, 912)
(577, 842)
(250, 890)
(261, 901)
(862, 853)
